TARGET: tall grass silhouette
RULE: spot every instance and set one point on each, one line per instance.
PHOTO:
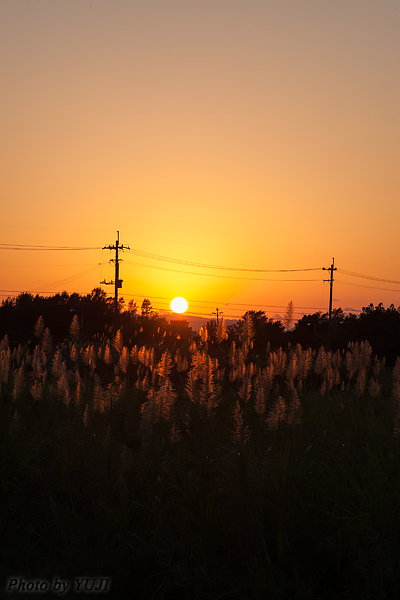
(201, 471)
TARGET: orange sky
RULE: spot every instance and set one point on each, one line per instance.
(245, 135)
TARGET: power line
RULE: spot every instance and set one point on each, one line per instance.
(215, 275)
(61, 282)
(352, 274)
(179, 261)
(29, 247)
(368, 287)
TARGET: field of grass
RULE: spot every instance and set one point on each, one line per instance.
(201, 472)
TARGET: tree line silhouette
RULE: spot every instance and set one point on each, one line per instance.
(94, 317)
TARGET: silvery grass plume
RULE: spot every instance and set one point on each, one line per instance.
(63, 384)
(180, 362)
(46, 342)
(247, 334)
(74, 329)
(262, 385)
(124, 359)
(18, 383)
(99, 396)
(294, 410)
(236, 362)
(118, 342)
(220, 332)
(39, 327)
(277, 414)
(396, 396)
(245, 388)
(278, 361)
(74, 353)
(5, 364)
(89, 357)
(241, 431)
(201, 388)
(322, 361)
(85, 415)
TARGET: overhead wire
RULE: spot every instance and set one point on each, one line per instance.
(370, 277)
(179, 261)
(369, 287)
(32, 247)
(215, 275)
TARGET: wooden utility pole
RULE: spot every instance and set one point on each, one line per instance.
(331, 269)
(117, 281)
(217, 312)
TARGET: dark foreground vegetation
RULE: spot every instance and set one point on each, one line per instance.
(199, 467)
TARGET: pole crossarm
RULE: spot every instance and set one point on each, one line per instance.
(117, 281)
(331, 269)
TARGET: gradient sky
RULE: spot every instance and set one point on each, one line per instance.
(257, 134)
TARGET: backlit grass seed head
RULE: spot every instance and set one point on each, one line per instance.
(124, 358)
(134, 355)
(5, 364)
(190, 386)
(361, 381)
(39, 327)
(118, 342)
(85, 416)
(294, 411)
(305, 364)
(74, 353)
(396, 388)
(277, 414)
(5, 343)
(62, 384)
(19, 383)
(247, 332)
(78, 389)
(374, 388)
(164, 367)
(46, 342)
(321, 362)
(74, 328)
(260, 397)
(241, 432)
(180, 362)
(244, 391)
(165, 398)
(329, 377)
(203, 333)
(197, 363)
(291, 371)
(175, 434)
(107, 356)
(220, 333)
(112, 393)
(365, 354)
(278, 361)
(336, 359)
(99, 397)
(57, 364)
(37, 389)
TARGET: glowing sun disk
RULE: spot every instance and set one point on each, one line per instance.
(179, 305)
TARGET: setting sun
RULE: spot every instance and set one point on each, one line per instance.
(179, 305)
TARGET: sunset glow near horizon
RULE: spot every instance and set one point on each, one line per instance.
(236, 146)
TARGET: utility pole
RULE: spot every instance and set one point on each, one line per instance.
(331, 269)
(217, 312)
(117, 281)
